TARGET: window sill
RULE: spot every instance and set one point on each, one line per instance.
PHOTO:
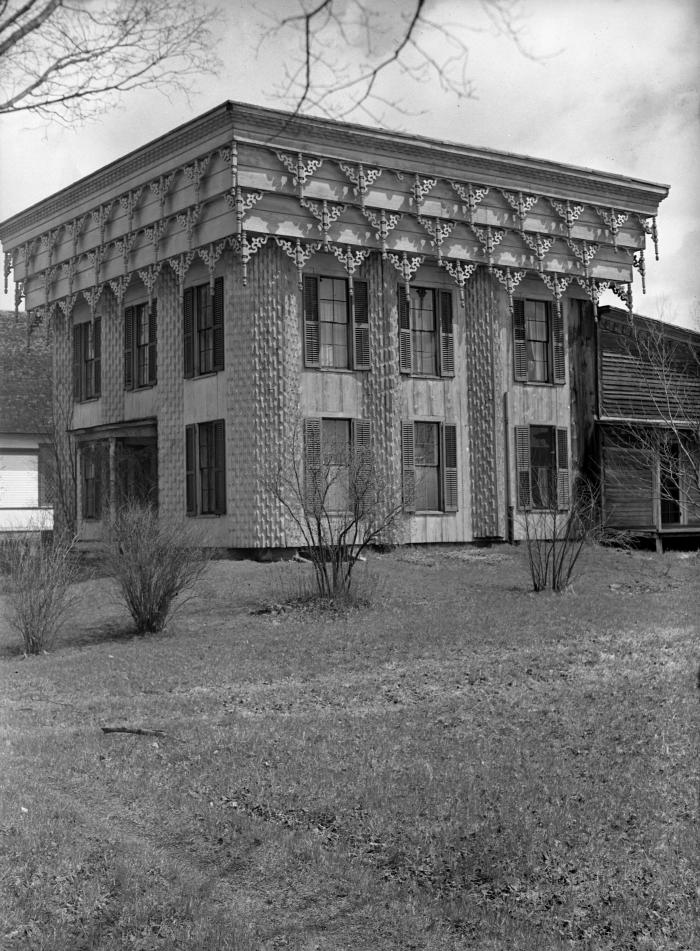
(345, 370)
(433, 512)
(140, 387)
(205, 514)
(88, 399)
(202, 376)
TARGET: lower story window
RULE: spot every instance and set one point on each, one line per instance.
(542, 466)
(429, 464)
(337, 463)
(205, 475)
(91, 483)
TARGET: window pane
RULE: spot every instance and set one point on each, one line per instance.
(426, 456)
(537, 334)
(423, 331)
(333, 317)
(335, 448)
(543, 471)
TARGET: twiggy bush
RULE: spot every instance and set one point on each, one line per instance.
(152, 563)
(39, 578)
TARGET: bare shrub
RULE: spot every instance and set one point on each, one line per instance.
(152, 563)
(39, 578)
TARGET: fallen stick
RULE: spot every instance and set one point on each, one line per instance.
(132, 729)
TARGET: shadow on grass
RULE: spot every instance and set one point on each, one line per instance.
(114, 630)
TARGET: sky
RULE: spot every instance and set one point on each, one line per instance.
(612, 85)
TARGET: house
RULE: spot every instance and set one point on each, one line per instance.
(254, 272)
(648, 425)
(25, 424)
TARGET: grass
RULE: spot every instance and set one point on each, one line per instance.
(461, 764)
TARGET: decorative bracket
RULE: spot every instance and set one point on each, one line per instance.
(406, 266)
(420, 188)
(229, 154)
(471, 195)
(210, 256)
(92, 296)
(49, 241)
(95, 257)
(118, 286)
(585, 251)
(69, 268)
(299, 253)
(510, 280)
(67, 304)
(153, 234)
(123, 247)
(128, 204)
(242, 201)
(383, 225)
(567, 212)
(460, 272)
(246, 248)
(19, 295)
(521, 205)
(188, 220)
(557, 284)
(538, 244)
(181, 265)
(362, 178)
(624, 292)
(100, 217)
(160, 188)
(613, 219)
(301, 170)
(49, 279)
(639, 262)
(652, 230)
(438, 229)
(350, 259)
(325, 214)
(150, 278)
(9, 263)
(593, 290)
(489, 238)
(195, 172)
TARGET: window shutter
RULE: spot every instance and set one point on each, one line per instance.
(408, 468)
(312, 465)
(97, 365)
(129, 327)
(522, 466)
(220, 467)
(405, 364)
(519, 341)
(312, 332)
(77, 360)
(563, 495)
(360, 325)
(218, 323)
(188, 329)
(558, 353)
(190, 471)
(447, 345)
(449, 470)
(362, 478)
(153, 342)
(100, 462)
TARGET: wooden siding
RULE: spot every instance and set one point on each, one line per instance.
(629, 489)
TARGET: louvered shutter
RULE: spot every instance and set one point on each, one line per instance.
(77, 360)
(312, 332)
(312, 465)
(153, 342)
(558, 352)
(522, 466)
(129, 327)
(563, 494)
(408, 467)
(219, 467)
(447, 345)
(219, 323)
(362, 477)
(360, 326)
(190, 471)
(450, 489)
(97, 364)
(188, 332)
(100, 475)
(405, 364)
(519, 341)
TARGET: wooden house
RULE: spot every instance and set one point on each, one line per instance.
(253, 272)
(648, 425)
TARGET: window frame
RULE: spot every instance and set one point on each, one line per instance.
(136, 315)
(359, 447)
(203, 321)
(90, 483)
(556, 351)
(443, 332)
(87, 360)
(205, 494)
(448, 467)
(559, 477)
(357, 311)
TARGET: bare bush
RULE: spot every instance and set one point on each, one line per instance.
(152, 563)
(39, 579)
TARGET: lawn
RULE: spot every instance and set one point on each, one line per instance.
(459, 764)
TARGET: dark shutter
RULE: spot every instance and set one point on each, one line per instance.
(404, 330)
(408, 467)
(97, 365)
(219, 467)
(447, 345)
(188, 332)
(362, 479)
(522, 466)
(100, 465)
(449, 468)
(77, 360)
(312, 465)
(558, 353)
(312, 332)
(129, 329)
(190, 470)
(519, 341)
(563, 495)
(360, 326)
(153, 342)
(218, 324)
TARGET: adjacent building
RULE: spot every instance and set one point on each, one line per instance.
(253, 274)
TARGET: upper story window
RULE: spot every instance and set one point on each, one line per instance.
(140, 348)
(203, 326)
(336, 323)
(538, 342)
(87, 362)
(426, 336)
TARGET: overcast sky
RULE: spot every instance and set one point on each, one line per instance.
(611, 85)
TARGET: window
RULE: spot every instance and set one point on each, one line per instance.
(140, 351)
(204, 329)
(205, 468)
(542, 467)
(90, 459)
(336, 457)
(538, 342)
(336, 323)
(426, 337)
(87, 348)
(429, 464)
